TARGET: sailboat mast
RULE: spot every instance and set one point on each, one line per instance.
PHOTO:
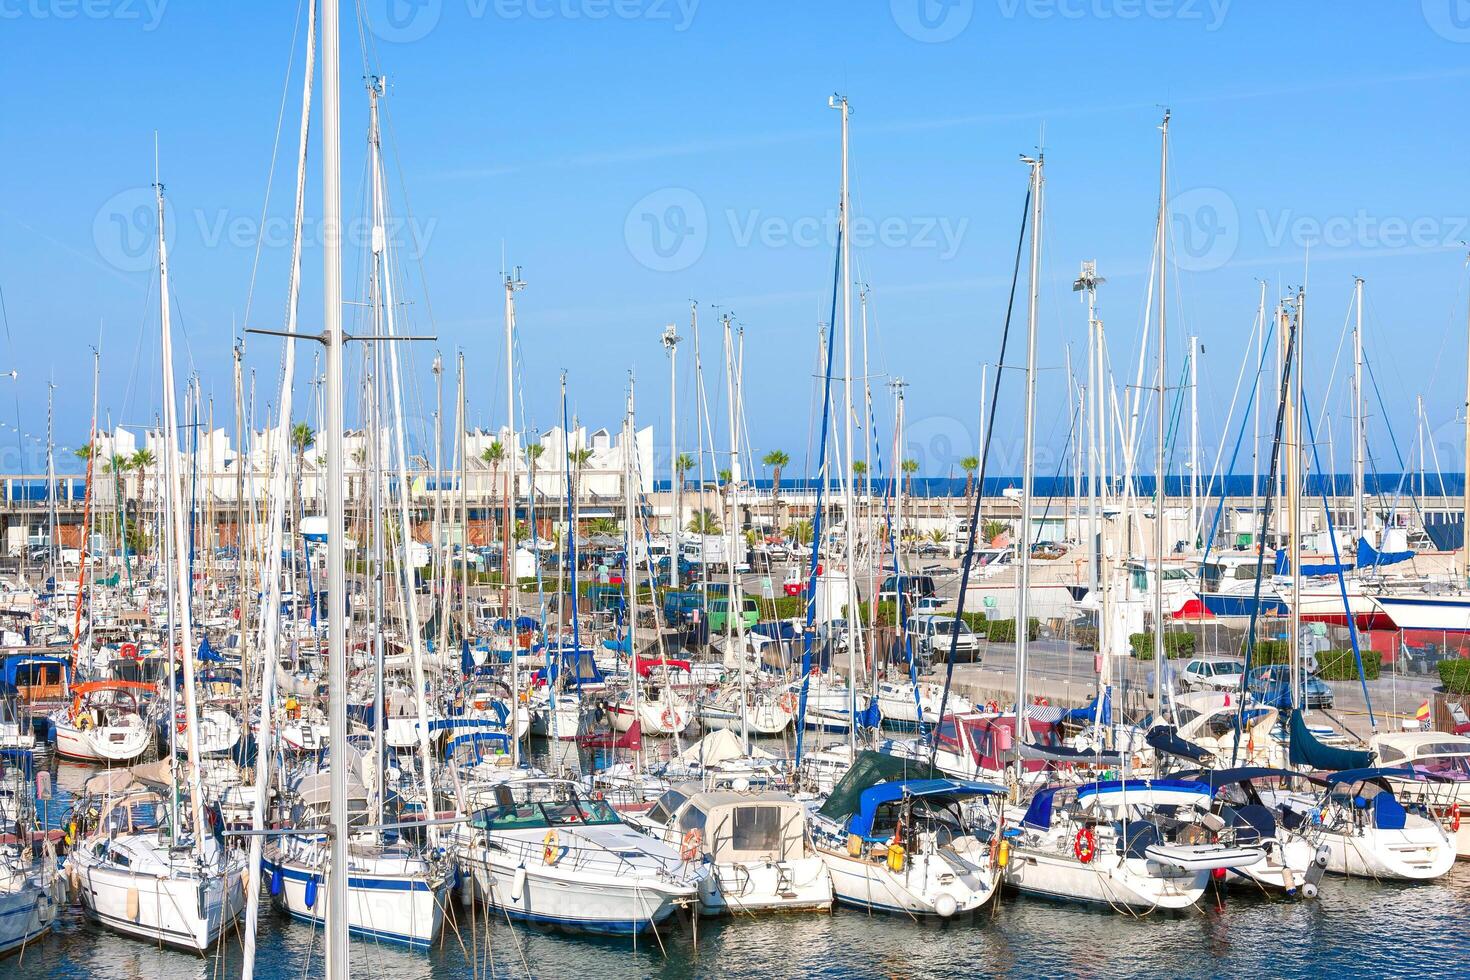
(1023, 575)
(336, 910)
(1465, 515)
(1358, 435)
(181, 554)
(854, 617)
(735, 602)
(1160, 408)
(508, 562)
(670, 341)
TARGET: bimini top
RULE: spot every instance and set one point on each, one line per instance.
(1148, 792)
(875, 796)
(1218, 779)
(1369, 775)
(1119, 792)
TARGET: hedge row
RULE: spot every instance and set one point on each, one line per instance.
(1176, 645)
(1454, 675)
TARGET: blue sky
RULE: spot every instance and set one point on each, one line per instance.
(1310, 142)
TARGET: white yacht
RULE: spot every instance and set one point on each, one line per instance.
(549, 853)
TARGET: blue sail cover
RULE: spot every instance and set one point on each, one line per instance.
(1283, 567)
(1088, 711)
(1369, 557)
(207, 653)
(1307, 751)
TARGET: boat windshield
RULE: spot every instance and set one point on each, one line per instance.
(547, 810)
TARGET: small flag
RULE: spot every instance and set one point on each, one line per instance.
(1422, 715)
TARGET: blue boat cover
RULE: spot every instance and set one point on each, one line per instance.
(1305, 750)
(1088, 712)
(1165, 738)
(1368, 556)
(875, 796)
(1283, 567)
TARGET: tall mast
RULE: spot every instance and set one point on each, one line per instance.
(507, 568)
(631, 579)
(670, 341)
(1160, 408)
(1297, 459)
(181, 554)
(1256, 415)
(849, 517)
(336, 910)
(735, 603)
(1358, 427)
(436, 568)
(463, 438)
(1023, 575)
(1194, 515)
(1465, 515)
(1088, 282)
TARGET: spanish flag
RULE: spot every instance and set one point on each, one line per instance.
(1422, 715)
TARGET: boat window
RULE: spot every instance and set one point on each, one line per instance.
(1140, 579)
(663, 811)
(693, 819)
(513, 817)
(757, 828)
(595, 812)
(1387, 754)
(1245, 572)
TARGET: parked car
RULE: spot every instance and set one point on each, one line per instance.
(719, 608)
(931, 637)
(1212, 674)
(1271, 684)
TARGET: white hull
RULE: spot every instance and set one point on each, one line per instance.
(124, 744)
(928, 884)
(405, 908)
(1412, 854)
(184, 911)
(26, 914)
(1046, 873)
(571, 894)
(802, 885)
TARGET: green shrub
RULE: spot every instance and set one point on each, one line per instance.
(1454, 675)
(1176, 645)
(1340, 665)
(1004, 630)
(1270, 652)
(976, 622)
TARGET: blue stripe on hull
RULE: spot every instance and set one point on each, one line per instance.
(602, 927)
(1240, 605)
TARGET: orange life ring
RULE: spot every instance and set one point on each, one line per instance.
(1455, 818)
(789, 703)
(689, 845)
(669, 719)
(550, 852)
(1084, 845)
(128, 651)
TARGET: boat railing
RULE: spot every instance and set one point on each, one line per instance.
(581, 857)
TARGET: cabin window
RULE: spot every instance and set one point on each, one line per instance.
(1386, 754)
(757, 828)
(693, 819)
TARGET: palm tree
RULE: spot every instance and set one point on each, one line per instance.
(140, 461)
(302, 439)
(969, 464)
(910, 467)
(938, 535)
(800, 531)
(775, 459)
(704, 522)
(493, 456)
(859, 470)
(683, 464)
(84, 454)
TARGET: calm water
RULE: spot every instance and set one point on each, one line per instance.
(1355, 927)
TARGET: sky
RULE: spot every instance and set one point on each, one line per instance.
(632, 156)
